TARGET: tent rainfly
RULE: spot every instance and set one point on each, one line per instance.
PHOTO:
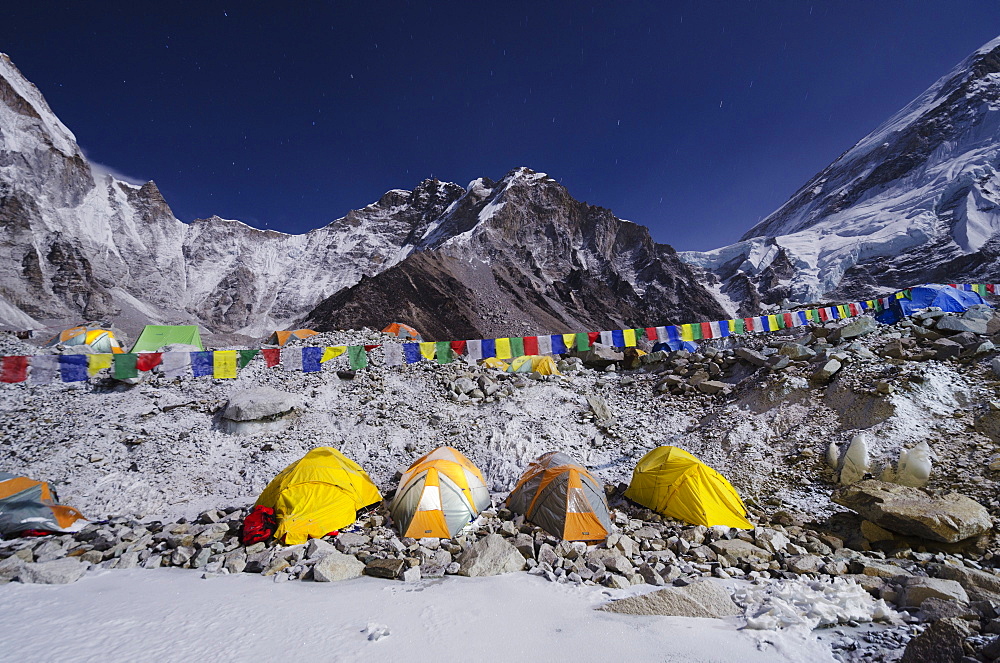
(99, 340)
(944, 297)
(282, 337)
(678, 485)
(541, 364)
(563, 498)
(403, 332)
(154, 337)
(27, 504)
(320, 493)
(438, 495)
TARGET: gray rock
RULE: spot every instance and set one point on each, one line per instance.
(751, 356)
(387, 568)
(260, 403)
(10, 568)
(796, 351)
(317, 548)
(490, 556)
(979, 585)
(412, 574)
(702, 598)
(941, 643)
(56, 572)
(770, 540)
(804, 563)
(963, 324)
(916, 589)
(336, 566)
(347, 540)
(600, 408)
(933, 608)
(714, 387)
(825, 371)
(946, 348)
(913, 512)
(859, 326)
(738, 548)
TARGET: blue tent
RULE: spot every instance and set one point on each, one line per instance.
(944, 297)
(670, 345)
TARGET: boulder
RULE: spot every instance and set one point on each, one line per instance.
(737, 548)
(796, 351)
(260, 403)
(825, 371)
(10, 568)
(336, 566)
(946, 348)
(703, 598)
(955, 324)
(911, 511)
(56, 572)
(490, 556)
(917, 589)
(804, 563)
(979, 585)
(751, 356)
(385, 568)
(858, 327)
(941, 643)
(712, 386)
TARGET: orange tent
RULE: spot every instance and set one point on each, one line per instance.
(282, 337)
(404, 332)
(101, 340)
(27, 504)
(563, 498)
(440, 493)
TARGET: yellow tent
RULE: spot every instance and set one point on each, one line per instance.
(541, 364)
(100, 340)
(317, 494)
(438, 495)
(493, 362)
(563, 498)
(676, 484)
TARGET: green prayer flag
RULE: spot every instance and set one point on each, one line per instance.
(246, 356)
(124, 366)
(443, 352)
(516, 346)
(739, 327)
(358, 356)
(582, 342)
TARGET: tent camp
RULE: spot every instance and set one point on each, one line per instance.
(282, 337)
(27, 504)
(944, 297)
(99, 340)
(562, 497)
(404, 332)
(541, 364)
(438, 495)
(493, 362)
(154, 337)
(678, 485)
(318, 494)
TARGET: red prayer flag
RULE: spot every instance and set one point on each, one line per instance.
(823, 315)
(531, 345)
(748, 324)
(706, 329)
(369, 348)
(13, 369)
(651, 334)
(593, 337)
(272, 356)
(789, 323)
(147, 361)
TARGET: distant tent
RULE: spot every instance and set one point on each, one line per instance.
(154, 337)
(678, 485)
(27, 504)
(438, 495)
(100, 340)
(282, 337)
(404, 332)
(493, 362)
(563, 498)
(541, 364)
(944, 297)
(318, 494)
(673, 346)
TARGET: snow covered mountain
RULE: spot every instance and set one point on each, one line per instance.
(916, 200)
(79, 244)
(521, 256)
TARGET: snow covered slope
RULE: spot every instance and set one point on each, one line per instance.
(915, 200)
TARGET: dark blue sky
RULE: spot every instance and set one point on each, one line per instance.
(693, 118)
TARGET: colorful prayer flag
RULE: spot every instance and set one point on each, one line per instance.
(73, 368)
(224, 363)
(97, 363)
(411, 352)
(272, 356)
(312, 357)
(503, 348)
(246, 356)
(443, 352)
(124, 366)
(147, 361)
(202, 364)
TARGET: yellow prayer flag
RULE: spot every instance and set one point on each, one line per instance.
(629, 335)
(332, 352)
(224, 364)
(427, 349)
(98, 362)
(503, 348)
(772, 322)
(687, 333)
(569, 340)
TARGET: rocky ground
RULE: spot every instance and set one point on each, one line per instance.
(154, 463)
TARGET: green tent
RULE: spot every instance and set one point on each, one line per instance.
(154, 337)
